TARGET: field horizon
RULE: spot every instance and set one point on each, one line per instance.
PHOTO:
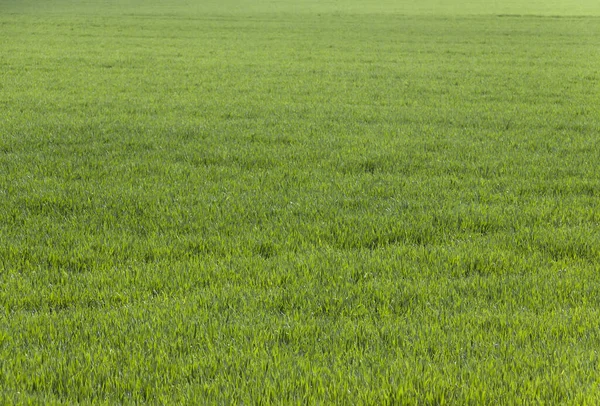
(440, 8)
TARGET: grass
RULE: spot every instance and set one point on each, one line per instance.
(316, 202)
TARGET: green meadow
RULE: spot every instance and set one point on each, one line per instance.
(299, 202)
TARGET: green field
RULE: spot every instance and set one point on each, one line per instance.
(299, 202)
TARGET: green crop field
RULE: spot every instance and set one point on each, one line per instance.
(300, 202)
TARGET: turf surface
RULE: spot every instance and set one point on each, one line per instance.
(299, 202)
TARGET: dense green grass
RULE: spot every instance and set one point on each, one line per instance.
(299, 202)
(358, 7)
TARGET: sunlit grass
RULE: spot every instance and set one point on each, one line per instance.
(328, 205)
